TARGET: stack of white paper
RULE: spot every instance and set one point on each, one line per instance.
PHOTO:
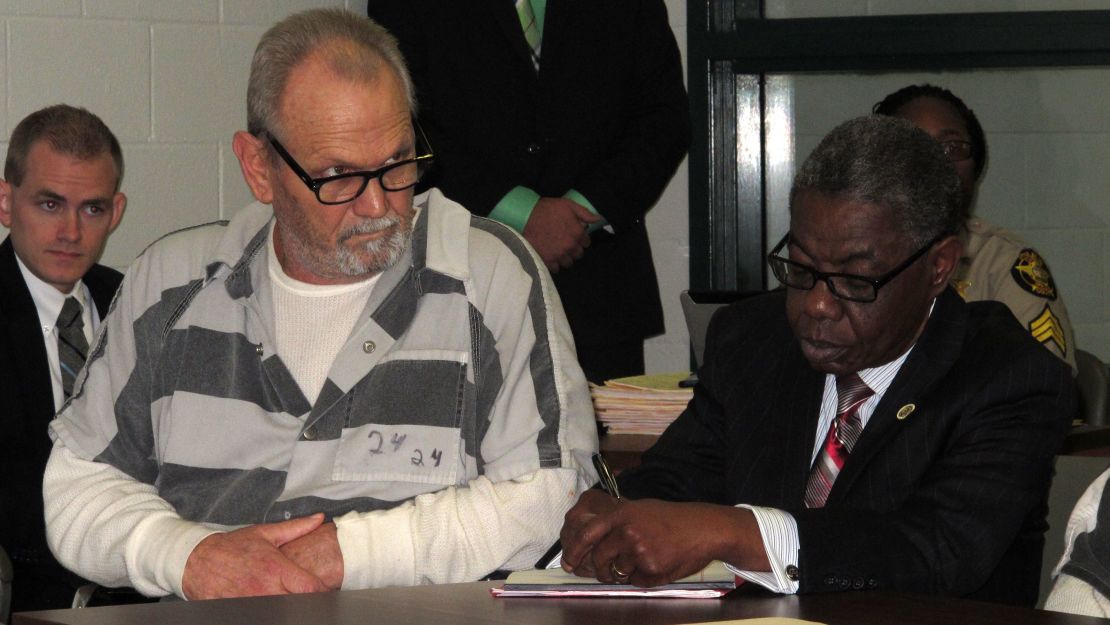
(644, 404)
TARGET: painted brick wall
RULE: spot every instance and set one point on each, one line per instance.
(169, 77)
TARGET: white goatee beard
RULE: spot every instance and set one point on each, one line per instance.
(382, 253)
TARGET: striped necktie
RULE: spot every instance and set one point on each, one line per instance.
(72, 345)
(845, 429)
(531, 29)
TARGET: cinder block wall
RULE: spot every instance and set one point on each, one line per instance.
(169, 77)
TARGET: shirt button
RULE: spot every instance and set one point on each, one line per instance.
(369, 347)
(792, 573)
(258, 349)
(533, 148)
(309, 433)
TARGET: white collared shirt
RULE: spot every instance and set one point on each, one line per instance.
(48, 302)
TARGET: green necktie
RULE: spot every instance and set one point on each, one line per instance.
(531, 29)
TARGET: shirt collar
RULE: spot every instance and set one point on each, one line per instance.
(49, 300)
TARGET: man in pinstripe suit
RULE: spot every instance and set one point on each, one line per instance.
(943, 491)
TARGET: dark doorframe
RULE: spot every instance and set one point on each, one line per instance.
(731, 48)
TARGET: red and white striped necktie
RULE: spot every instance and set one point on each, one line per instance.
(845, 429)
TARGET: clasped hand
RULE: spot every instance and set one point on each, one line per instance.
(296, 556)
(557, 231)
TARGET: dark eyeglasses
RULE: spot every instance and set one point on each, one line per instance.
(347, 187)
(846, 286)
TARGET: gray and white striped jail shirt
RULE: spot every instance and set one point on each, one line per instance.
(461, 364)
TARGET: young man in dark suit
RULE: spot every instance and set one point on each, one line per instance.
(60, 200)
(864, 428)
(563, 119)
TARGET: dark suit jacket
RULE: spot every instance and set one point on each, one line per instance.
(26, 408)
(949, 500)
(607, 115)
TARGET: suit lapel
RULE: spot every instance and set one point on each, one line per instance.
(932, 357)
(800, 404)
(503, 13)
(21, 322)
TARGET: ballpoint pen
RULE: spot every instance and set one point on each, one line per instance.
(608, 481)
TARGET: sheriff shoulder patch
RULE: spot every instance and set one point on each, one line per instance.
(1031, 273)
(1046, 327)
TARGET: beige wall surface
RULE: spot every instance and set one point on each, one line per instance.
(169, 77)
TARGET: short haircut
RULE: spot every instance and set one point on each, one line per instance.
(68, 130)
(353, 46)
(888, 162)
(895, 101)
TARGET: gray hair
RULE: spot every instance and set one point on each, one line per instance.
(891, 163)
(292, 40)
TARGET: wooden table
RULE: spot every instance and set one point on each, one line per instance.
(471, 604)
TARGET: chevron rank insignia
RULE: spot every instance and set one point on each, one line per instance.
(1046, 327)
(1031, 273)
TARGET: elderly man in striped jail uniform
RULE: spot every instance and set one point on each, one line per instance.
(354, 388)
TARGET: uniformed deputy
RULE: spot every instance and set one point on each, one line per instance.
(997, 264)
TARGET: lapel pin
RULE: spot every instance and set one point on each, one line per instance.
(905, 411)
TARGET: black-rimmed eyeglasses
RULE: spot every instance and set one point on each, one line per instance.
(344, 188)
(846, 286)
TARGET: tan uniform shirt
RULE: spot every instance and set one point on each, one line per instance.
(998, 265)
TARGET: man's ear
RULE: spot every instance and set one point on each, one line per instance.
(944, 258)
(5, 204)
(254, 163)
(119, 205)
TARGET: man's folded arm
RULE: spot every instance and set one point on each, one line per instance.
(115, 530)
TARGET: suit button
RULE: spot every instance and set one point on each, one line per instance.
(830, 581)
(792, 573)
(309, 433)
(845, 583)
(872, 583)
(533, 148)
(857, 583)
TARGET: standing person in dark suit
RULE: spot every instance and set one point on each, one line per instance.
(60, 200)
(863, 429)
(565, 124)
